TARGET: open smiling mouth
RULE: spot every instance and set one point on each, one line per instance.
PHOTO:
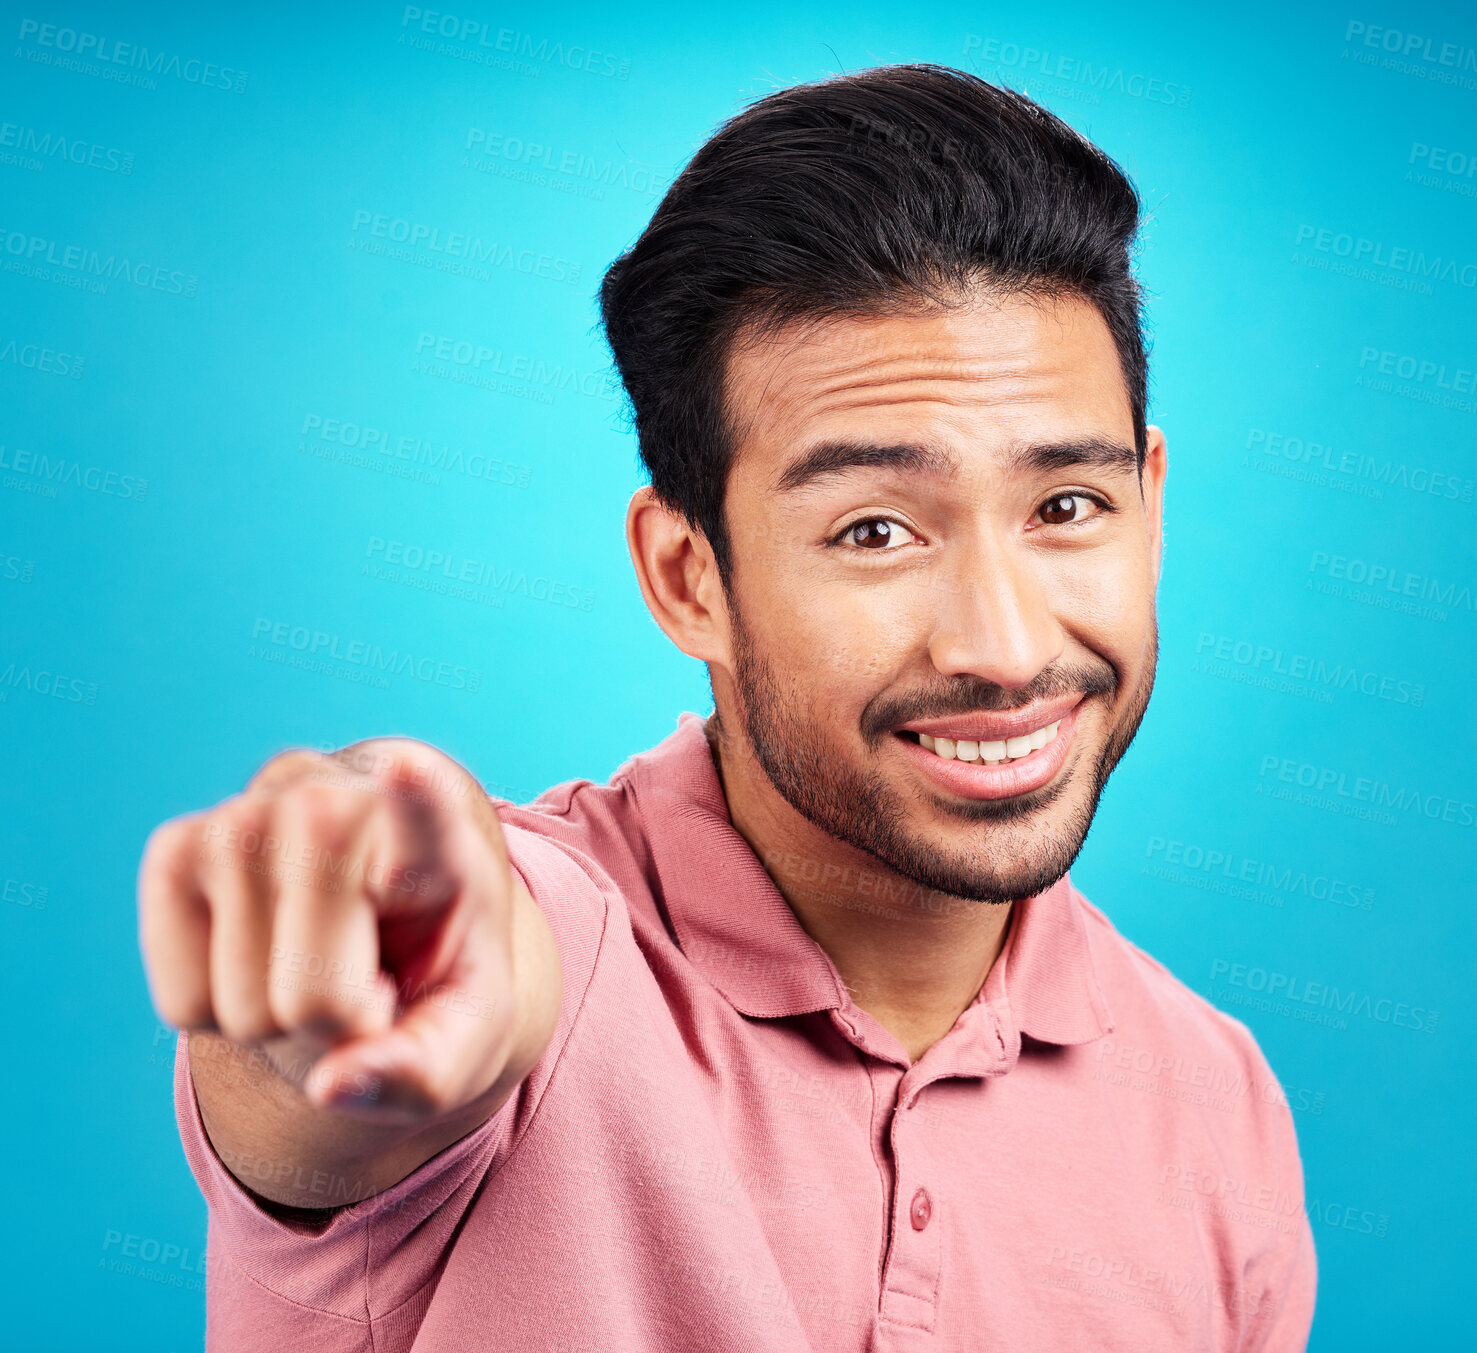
(1019, 759)
(1000, 753)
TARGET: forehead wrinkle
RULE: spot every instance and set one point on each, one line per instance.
(888, 377)
(805, 373)
(877, 369)
(1007, 388)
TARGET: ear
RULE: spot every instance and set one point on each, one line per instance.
(1151, 485)
(678, 576)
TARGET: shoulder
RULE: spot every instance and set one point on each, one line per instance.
(1163, 1028)
(581, 837)
(581, 850)
(1226, 1131)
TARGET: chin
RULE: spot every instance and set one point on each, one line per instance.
(984, 876)
(995, 850)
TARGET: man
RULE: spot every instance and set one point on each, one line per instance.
(795, 1035)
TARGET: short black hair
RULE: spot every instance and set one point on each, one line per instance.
(866, 194)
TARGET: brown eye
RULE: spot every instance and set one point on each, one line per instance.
(1061, 510)
(878, 533)
(871, 534)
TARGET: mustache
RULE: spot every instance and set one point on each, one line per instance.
(971, 695)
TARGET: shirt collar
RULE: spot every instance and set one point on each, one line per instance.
(733, 924)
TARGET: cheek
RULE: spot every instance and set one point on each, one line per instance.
(852, 638)
(1106, 598)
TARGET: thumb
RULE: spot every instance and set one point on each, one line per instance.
(448, 1046)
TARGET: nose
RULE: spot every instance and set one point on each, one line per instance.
(996, 621)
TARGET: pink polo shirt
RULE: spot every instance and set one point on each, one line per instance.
(721, 1151)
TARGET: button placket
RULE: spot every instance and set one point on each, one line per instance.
(910, 1280)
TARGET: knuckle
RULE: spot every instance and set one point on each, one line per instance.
(287, 768)
(385, 751)
(234, 826)
(297, 765)
(168, 841)
(321, 813)
(410, 764)
(240, 810)
(371, 757)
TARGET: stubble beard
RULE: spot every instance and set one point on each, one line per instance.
(863, 809)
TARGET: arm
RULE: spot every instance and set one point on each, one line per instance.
(364, 978)
(1282, 1294)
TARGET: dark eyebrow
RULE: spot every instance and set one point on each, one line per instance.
(837, 457)
(1095, 453)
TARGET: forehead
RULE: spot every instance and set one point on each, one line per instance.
(991, 373)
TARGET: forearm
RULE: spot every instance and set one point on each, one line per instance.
(284, 1149)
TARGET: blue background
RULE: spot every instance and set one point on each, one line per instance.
(1249, 133)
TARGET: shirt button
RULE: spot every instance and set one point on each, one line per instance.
(921, 1210)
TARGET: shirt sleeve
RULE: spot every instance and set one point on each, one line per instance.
(1285, 1284)
(363, 1279)
(1285, 1315)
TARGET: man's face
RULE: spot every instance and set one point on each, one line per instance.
(942, 545)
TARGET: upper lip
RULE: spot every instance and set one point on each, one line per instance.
(996, 725)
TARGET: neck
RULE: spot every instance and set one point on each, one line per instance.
(910, 956)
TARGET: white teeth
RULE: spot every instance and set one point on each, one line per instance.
(990, 753)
